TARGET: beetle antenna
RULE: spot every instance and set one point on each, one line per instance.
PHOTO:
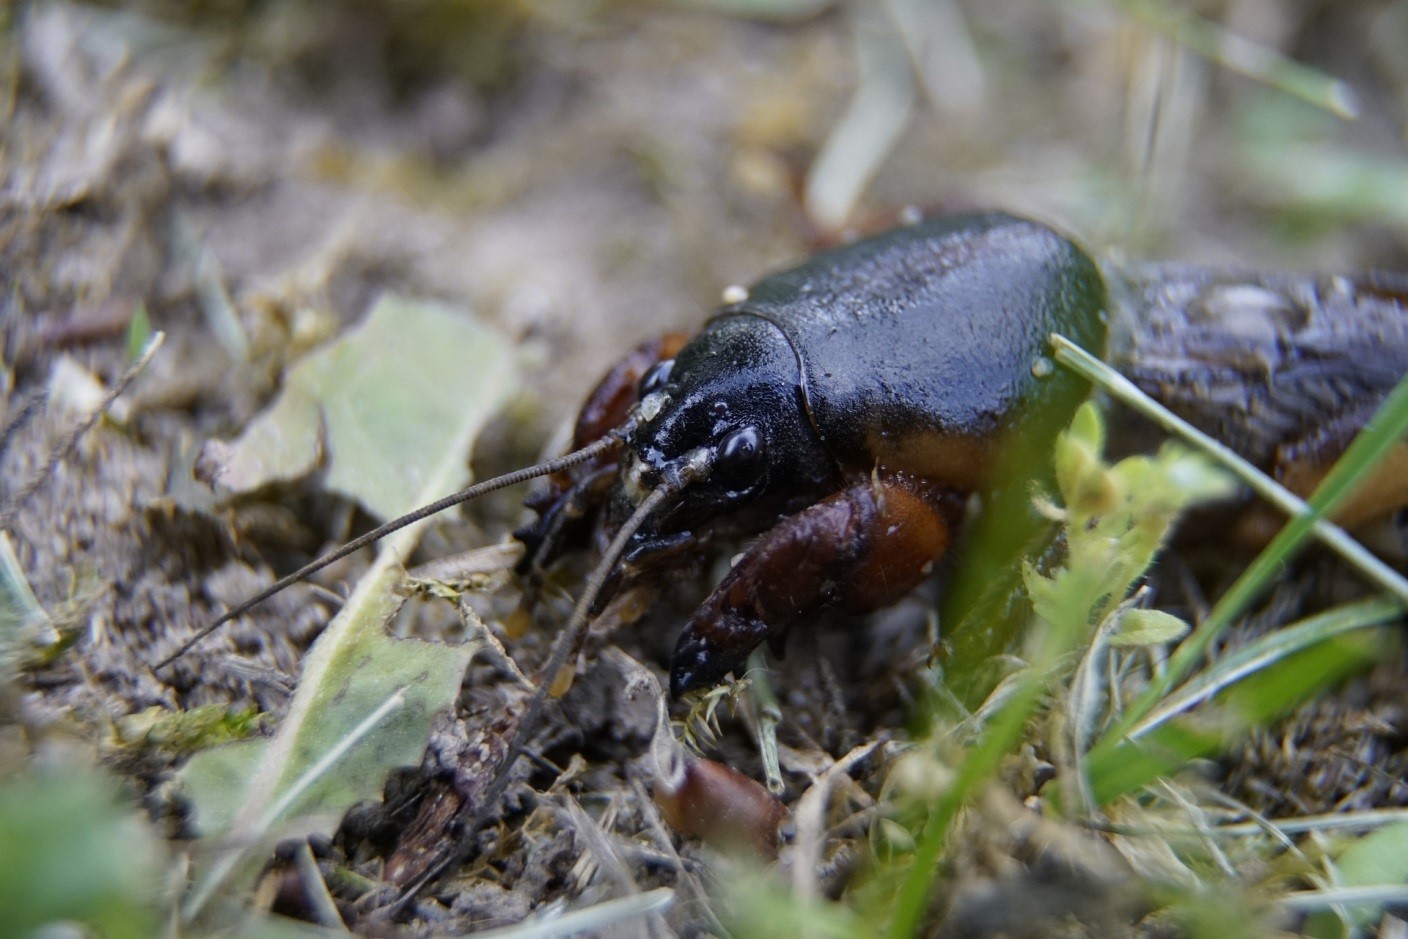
(611, 441)
(575, 629)
(568, 641)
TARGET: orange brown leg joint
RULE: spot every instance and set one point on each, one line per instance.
(860, 549)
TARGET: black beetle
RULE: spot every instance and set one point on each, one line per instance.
(846, 407)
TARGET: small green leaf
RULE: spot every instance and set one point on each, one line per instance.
(139, 333)
(1380, 857)
(21, 617)
(1148, 628)
(72, 852)
(1088, 427)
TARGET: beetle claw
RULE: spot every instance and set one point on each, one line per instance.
(699, 662)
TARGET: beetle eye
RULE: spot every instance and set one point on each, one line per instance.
(655, 378)
(741, 454)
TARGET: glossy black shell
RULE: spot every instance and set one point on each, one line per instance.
(919, 348)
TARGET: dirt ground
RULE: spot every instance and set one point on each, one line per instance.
(580, 177)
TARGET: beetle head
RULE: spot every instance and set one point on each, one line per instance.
(725, 422)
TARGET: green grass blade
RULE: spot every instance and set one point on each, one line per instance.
(1246, 57)
(1263, 653)
(1383, 432)
(1123, 390)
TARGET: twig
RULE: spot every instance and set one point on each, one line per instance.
(27, 411)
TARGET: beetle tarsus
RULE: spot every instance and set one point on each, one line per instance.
(698, 662)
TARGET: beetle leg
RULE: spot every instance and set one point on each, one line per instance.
(860, 549)
(572, 496)
(614, 396)
(559, 523)
(648, 556)
(1302, 464)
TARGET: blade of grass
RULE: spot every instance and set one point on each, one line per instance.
(1340, 821)
(1125, 391)
(1264, 652)
(1251, 59)
(1382, 432)
(1396, 894)
(608, 913)
(1003, 734)
(1263, 696)
(862, 138)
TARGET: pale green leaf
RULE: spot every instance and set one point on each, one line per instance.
(21, 616)
(363, 707)
(139, 333)
(1378, 858)
(1148, 628)
(282, 442)
(217, 783)
(1088, 427)
(383, 396)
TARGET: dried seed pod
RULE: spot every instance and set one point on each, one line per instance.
(709, 800)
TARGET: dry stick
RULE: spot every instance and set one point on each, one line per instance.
(610, 441)
(63, 449)
(567, 641)
(27, 411)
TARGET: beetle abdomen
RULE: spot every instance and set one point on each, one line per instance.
(917, 347)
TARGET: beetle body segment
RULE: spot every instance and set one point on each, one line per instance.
(917, 346)
(912, 351)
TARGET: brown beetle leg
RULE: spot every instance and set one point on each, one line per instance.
(1302, 464)
(860, 549)
(614, 396)
(607, 407)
